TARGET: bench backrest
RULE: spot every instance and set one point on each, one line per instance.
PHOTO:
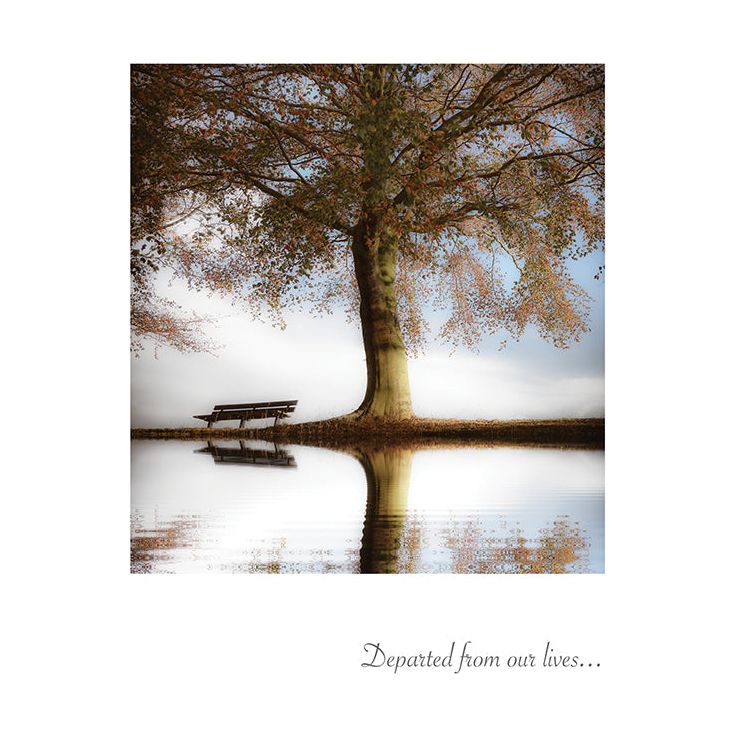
(285, 405)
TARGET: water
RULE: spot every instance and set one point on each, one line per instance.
(254, 508)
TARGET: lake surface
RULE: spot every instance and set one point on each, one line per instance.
(255, 508)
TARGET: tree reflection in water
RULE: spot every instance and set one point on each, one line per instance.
(151, 546)
(387, 474)
(394, 540)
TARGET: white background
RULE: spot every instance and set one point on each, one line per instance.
(90, 649)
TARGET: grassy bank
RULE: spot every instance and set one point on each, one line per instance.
(347, 431)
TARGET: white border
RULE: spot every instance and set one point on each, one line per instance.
(92, 649)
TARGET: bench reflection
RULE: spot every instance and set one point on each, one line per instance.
(244, 455)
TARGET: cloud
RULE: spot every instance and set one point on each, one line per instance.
(320, 362)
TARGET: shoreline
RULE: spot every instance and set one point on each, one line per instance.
(346, 431)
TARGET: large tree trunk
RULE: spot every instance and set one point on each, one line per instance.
(387, 392)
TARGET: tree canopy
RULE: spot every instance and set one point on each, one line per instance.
(382, 188)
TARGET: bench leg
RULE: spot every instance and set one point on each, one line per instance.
(242, 422)
(209, 423)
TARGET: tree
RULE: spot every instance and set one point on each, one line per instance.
(380, 186)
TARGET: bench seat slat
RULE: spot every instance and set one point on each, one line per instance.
(251, 414)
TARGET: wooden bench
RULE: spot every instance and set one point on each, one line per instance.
(244, 412)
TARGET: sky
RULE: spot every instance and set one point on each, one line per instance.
(320, 362)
